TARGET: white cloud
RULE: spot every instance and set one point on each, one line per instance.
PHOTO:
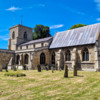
(13, 8)
(56, 26)
(98, 19)
(72, 10)
(4, 37)
(41, 5)
(76, 11)
(97, 4)
(38, 5)
(98, 1)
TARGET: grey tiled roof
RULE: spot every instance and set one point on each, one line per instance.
(80, 36)
(37, 41)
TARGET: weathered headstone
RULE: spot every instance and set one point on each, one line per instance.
(52, 69)
(47, 67)
(0, 68)
(56, 66)
(39, 68)
(75, 70)
(66, 71)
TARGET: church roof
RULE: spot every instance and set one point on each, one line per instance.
(79, 36)
(37, 41)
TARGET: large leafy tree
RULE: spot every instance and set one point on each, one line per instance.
(77, 26)
(41, 31)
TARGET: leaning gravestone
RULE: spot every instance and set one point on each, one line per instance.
(75, 70)
(66, 71)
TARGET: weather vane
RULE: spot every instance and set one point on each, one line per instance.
(13, 17)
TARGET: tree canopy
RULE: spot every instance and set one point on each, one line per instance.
(78, 25)
(41, 31)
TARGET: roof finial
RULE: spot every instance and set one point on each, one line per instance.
(21, 20)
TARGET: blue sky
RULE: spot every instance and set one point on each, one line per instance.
(59, 15)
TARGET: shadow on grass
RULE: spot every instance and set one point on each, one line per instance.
(74, 76)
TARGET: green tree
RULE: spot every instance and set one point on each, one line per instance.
(77, 26)
(41, 31)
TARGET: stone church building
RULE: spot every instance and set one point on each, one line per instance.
(79, 46)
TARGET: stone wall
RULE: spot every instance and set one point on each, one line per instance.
(5, 57)
(87, 66)
(60, 55)
(82, 65)
(36, 58)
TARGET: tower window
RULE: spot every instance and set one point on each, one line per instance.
(13, 35)
(25, 36)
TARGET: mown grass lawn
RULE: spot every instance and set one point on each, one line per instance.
(50, 86)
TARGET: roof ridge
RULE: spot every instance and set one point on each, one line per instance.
(37, 40)
(85, 35)
(78, 28)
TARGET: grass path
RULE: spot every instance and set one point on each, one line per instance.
(50, 86)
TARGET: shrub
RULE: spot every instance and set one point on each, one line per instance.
(15, 74)
(39, 68)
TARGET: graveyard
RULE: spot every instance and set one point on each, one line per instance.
(46, 85)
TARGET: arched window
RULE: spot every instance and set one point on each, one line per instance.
(53, 58)
(85, 55)
(26, 59)
(13, 35)
(25, 36)
(17, 59)
(68, 56)
(42, 58)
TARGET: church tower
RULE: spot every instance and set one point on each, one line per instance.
(19, 34)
